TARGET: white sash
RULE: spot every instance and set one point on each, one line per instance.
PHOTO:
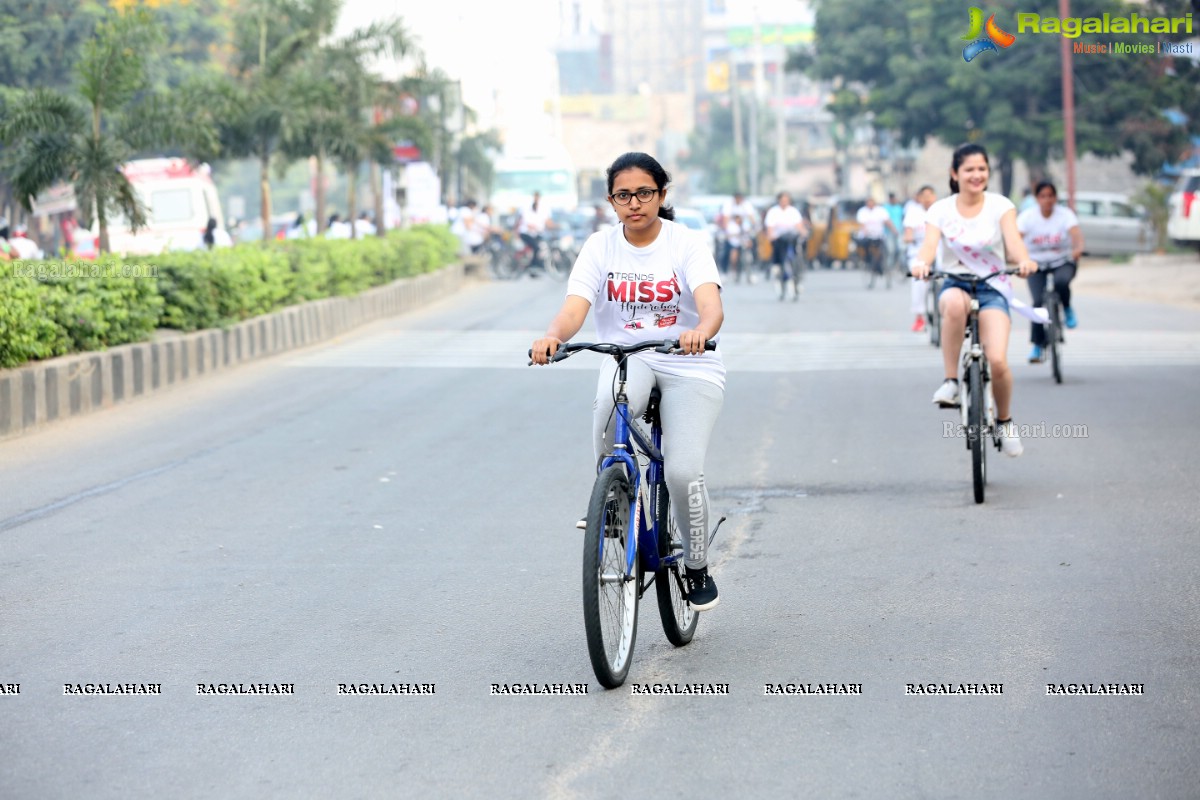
(1000, 282)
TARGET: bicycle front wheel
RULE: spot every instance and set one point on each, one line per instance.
(678, 619)
(976, 433)
(934, 315)
(610, 597)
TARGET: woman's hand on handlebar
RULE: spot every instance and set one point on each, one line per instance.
(544, 349)
(692, 342)
(918, 269)
(1027, 267)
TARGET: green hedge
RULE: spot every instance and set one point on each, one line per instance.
(49, 308)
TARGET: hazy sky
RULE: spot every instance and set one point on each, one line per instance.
(492, 47)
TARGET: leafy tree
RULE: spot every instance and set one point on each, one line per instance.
(272, 39)
(910, 58)
(712, 148)
(339, 106)
(86, 138)
(40, 42)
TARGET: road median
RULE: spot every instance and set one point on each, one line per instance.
(44, 392)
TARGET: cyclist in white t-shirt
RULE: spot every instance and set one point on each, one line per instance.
(786, 228)
(874, 222)
(652, 278)
(976, 230)
(1052, 234)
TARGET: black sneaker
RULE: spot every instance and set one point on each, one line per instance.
(701, 589)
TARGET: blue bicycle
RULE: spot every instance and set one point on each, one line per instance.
(631, 531)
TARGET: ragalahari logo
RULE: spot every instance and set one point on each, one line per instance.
(993, 37)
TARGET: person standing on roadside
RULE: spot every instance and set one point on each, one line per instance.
(914, 236)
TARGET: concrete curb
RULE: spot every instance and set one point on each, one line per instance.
(44, 392)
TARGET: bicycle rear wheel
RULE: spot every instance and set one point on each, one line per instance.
(678, 619)
(1053, 334)
(976, 433)
(610, 598)
(556, 264)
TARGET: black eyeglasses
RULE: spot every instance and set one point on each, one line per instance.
(643, 195)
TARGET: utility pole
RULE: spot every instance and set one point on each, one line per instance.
(1068, 101)
(780, 125)
(736, 99)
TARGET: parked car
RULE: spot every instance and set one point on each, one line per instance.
(1110, 224)
(694, 219)
(1183, 226)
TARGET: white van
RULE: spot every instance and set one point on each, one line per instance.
(1183, 225)
(179, 201)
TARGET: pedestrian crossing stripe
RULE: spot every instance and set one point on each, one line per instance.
(748, 352)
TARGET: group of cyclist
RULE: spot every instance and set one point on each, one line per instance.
(650, 278)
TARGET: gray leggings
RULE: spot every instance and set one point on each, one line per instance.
(688, 410)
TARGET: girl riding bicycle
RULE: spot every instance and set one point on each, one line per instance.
(1052, 234)
(651, 278)
(976, 229)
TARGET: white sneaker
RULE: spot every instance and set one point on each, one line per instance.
(947, 394)
(582, 524)
(1010, 442)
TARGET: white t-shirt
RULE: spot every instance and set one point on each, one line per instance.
(781, 221)
(873, 221)
(970, 245)
(1047, 239)
(914, 219)
(532, 222)
(644, 293)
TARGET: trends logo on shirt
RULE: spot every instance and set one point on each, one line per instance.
(994, 36)
(633, 291)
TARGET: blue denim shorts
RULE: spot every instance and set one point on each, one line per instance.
(988, 296)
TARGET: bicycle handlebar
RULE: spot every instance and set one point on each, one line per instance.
(937, 273)
(665, 346)
(1050, 266)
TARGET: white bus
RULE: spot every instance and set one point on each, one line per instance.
(516, 179)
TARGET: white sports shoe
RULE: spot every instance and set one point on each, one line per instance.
(1010, 442)
(947, 394)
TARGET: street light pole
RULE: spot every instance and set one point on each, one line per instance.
(1068, 101)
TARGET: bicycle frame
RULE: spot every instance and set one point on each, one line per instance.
(643, 529)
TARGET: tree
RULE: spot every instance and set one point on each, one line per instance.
(86, 138)
(919, 85)
(340, 105)
(712, 147)
(272, 38)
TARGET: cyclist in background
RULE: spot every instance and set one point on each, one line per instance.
(785, 228)
(739, 222)
(977, 230)
(1051, 233)
(874, 222)
(652, 278)
(914, 235)
(530, 225)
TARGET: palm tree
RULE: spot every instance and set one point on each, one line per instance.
(52, 136)
(343, 110)
(272, 39)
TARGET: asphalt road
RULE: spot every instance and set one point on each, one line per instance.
(397, 507)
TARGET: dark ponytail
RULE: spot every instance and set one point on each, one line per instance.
(650, 166)
(960, 155)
